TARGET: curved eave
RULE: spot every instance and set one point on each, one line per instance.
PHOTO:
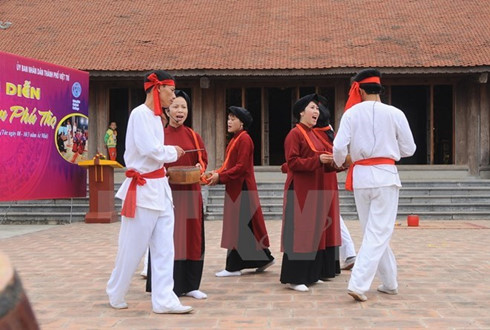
(195, 73)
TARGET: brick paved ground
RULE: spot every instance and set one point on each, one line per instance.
(443, 276)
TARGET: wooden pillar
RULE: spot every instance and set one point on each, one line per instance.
(92, 123)
(341, 93)
(264, 126)
(460, 116)
(473, 128)
(98, 118)
(208, 125)
(431, 125)
(197, 111)
(220, 123)
(485, 124)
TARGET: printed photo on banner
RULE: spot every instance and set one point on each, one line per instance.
(72, 138)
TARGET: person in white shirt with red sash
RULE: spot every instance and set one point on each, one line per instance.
(147, 216)
(376, 135)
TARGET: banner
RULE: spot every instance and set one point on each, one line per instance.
(43, 129)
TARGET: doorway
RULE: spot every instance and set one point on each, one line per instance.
(414, 101)
(443, 124)
(119, 112)
(253, 105)
(279, 105)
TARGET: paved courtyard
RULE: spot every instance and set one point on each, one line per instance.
(444, 282)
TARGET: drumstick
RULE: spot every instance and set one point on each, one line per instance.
(192, 150)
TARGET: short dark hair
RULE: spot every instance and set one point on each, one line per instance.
(369, 88)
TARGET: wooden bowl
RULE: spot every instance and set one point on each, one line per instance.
(184, 174)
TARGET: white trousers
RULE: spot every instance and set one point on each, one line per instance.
(347, 248)
(144, 271)
(148, 228)
(377, 208)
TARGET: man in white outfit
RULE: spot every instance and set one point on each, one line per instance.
(147, 213)
(376, 135)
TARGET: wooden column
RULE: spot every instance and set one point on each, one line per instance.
(208, 125)
(485, 124)
(264, 126)
(220, 123)
(197, 111)
(473, 128)
(98, 114)
(431, 125)
(460, 126)
(92, 123)
(341, 92)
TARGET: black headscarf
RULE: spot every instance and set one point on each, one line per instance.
(242, 114)
(303, 102)
(181, 93)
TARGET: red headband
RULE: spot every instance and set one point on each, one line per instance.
(355, 94)
(154, 82)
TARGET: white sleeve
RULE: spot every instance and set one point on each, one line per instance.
(406, 144)
(148, 143)
(342, 141)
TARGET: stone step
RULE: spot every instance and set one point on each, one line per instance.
(446, 189)
(42, 218)
(431, 198)
(401, 216)
(408, 207)
(44, 208)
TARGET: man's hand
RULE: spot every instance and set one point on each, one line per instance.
(180, 151)
(348, 162)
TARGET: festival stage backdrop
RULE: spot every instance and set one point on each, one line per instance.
(43, 129)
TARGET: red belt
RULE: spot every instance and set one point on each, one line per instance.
(129, 206)
(367, 161)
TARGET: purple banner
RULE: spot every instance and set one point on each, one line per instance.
(43, 129)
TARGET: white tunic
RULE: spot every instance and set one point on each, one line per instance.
(373, 129)
(146, 152)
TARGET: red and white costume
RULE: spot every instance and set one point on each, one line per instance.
(153, 221)
(373, 131)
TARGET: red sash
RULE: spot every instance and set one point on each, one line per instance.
(368, 161)
(320, 133)
(229, 149)
(129, 207)
(308, 140)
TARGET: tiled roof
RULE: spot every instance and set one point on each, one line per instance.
(134, 35)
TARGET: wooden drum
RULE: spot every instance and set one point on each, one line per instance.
(15, 310)
(184, 174)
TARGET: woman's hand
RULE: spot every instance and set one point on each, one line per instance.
(213, 179)
(326, 159)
